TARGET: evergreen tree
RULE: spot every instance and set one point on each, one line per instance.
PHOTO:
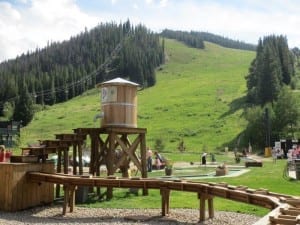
(24, 107)
(270, 70)
(287, 112)
(256, 126)
(268, 86)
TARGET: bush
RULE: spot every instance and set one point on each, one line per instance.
(159, 145)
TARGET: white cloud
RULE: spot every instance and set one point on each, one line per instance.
(41, 21)
(163, 3)
(135, 6)
(246, 20)
(32, 23)
(113, 2)
(148, 1)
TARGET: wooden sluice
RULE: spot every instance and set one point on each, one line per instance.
(76, 141)
(285, 210)
(61, 146)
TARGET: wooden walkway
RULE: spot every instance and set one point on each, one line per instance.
(285, 209)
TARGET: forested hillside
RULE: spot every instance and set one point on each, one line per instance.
(195, 39)
(64, 70)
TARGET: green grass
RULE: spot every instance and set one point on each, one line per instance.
(194, 97)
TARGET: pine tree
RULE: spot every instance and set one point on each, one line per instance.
(286, 111)
(270, 70)
(24, 107)
(268, 81)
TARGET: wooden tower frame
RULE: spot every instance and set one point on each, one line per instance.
(106, 140)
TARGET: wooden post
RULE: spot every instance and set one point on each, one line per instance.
(80, 164)
(109, 162)
(58, 170)
(74, 159)
(203, 197)
(66, 160)
(69, 198)
(72, 197)
(143, 160)
(66, 199)
(94, 149)
(211, 213)
(165, 201)
(202, 208)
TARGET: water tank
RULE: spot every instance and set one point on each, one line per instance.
(118, 103)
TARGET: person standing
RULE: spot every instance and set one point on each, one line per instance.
(149, 159)
(274, 154)
(203, 158)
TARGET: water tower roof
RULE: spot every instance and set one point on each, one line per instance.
(118, 81)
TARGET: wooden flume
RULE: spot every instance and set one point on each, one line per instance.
(287, 207)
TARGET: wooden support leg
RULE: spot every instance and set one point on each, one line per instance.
(80, 163)
(66, 199)
(72, 198)
(203, 198)
(58, 170)
(211, 213)
(143, 160)
(202, 208)
(69, 198)
(74, 159)
(165, 201)
(66, 161)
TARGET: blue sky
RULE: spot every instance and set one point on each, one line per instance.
(28, 24)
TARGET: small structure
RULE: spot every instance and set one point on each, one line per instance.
(221, 170)
(17, 192)
(9, 130)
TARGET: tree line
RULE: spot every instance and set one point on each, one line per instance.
(63, 70)
(196, 39)
(186, 37)
(273, 110)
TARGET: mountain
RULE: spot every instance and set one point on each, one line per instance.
(197, 98)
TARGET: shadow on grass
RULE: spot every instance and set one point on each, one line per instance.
(236, 105)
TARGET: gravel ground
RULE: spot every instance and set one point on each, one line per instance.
(53, 215)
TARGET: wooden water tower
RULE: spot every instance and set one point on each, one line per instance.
(118, 132)
(119, 103)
